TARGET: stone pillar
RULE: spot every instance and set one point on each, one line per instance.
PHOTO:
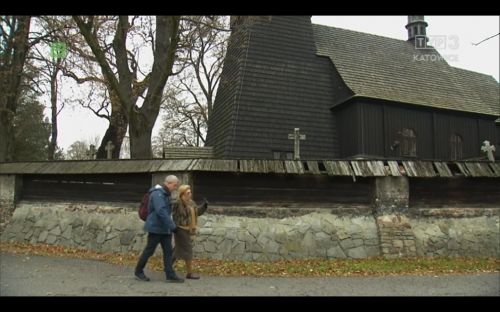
(391, 195)
(390, 205)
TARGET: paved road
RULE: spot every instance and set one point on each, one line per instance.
(22, 275)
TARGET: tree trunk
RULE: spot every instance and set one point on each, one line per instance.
(11, 69)
(126, 91)
(115, 133)
(6, 135)
(140, 131)
(53, 108)
(142, 120)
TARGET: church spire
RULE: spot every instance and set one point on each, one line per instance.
(417, 30)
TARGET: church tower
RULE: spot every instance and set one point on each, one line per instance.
(417, 31)
(272, 82)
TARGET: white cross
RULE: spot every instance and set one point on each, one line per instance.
(296, 136)
(488, 149)
(109, 148)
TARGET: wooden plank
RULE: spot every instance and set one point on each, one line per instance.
(244, 165)
(495, 167)
(377, 168)
(261, 165)
(194, 165)
(52, 168)
(10, 168)
(394, 168)
(410, 168)
(155, 165)
(368, 168)
(452, 192)
(268, 190)
(479, 169)
(463, 169)
(88, 167)
(424, 169)
(33, 167)
(224, 165)
(165, 165)
(294, 166)
(443, 170)
(275, 166)
(338, 168)
(313, 167)
(357, 170)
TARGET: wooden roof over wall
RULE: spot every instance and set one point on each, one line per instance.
(363, 168)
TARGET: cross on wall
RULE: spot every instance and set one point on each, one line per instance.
(296, 137)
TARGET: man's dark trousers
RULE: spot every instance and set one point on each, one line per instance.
(165, 240)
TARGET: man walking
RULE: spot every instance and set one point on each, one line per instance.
(160, 226)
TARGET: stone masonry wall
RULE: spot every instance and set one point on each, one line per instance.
(9, 189)
(117, 228)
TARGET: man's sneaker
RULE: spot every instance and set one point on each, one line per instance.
(141, 276)
(192, 276)
(175, 279)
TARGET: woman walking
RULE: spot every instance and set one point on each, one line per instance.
(185, 214)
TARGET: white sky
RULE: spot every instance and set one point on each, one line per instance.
(459, 32)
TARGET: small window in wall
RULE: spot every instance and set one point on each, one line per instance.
(456, 147)
(283, 155)
(408, 143)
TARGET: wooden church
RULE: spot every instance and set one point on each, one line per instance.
(352, 94)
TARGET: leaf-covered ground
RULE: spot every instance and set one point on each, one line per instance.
(292, 268)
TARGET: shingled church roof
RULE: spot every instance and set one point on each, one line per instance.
(390, 69)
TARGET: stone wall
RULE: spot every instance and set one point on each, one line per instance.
(9, 191)
(457, 237)
(117, 228)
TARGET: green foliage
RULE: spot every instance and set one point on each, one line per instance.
(31, 131)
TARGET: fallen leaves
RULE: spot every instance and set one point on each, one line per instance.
(285, 268)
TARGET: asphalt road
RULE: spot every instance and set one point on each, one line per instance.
(22, 275)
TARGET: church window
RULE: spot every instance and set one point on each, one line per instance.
(408, 143)
(456, 146)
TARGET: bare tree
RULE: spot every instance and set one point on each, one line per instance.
(91, 90)
(48, 61)
(188, 101)
(123, 85)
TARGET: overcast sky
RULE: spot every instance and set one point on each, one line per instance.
(459, 34)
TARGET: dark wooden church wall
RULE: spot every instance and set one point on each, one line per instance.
(447, 125)
(372, 122)
(281, 190)
(454, 192)
(498, 138)
(220, 123)
(86, 187)
(348, 126)
(420, 121)
(487, 131)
